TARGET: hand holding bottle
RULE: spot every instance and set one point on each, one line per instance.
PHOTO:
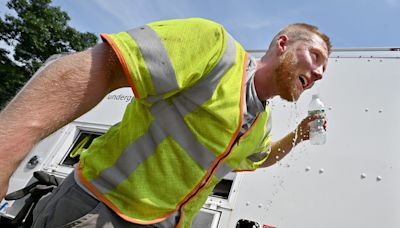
(303, 129)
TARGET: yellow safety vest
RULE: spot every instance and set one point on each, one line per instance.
(178, 138)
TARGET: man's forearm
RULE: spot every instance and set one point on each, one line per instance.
(281, 148)
(61, 92)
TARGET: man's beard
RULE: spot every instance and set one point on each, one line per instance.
(286, 79)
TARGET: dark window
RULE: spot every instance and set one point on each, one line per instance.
(81, 143)
(223, 188)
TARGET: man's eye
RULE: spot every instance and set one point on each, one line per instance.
(316, 57)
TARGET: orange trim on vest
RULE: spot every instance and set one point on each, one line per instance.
(218, 161)
(121, 59)
(244, 170)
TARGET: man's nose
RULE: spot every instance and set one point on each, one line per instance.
(318, 73)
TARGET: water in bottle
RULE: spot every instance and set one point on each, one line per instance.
(317, 131)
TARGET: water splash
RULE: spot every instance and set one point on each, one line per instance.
(363, 176)
(295, 118)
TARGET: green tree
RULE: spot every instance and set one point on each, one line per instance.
(37, 31)
(11, 77)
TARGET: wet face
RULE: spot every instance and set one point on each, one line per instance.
(285, 78)
(301, 65)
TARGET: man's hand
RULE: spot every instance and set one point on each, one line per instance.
(303, 129)
(3, 188)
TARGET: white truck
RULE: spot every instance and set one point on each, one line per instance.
(351, 181)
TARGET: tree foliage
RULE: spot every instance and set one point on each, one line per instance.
(37, 31)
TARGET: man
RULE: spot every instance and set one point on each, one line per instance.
(200, 111)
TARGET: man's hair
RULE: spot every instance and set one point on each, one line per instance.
(302, 31)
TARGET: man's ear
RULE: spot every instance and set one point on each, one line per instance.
(281, 43)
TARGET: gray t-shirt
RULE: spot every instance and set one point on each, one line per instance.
(253, 105)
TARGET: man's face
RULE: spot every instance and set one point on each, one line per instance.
(303, 63)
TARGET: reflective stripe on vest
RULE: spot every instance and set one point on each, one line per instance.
(147, 41)
(167, 122)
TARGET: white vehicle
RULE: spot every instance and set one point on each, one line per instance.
(351, 181)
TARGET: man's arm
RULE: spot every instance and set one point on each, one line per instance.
(282, 147)
(58, 94)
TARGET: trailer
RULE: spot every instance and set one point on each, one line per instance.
(351, 181)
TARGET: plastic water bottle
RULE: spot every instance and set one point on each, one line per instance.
(317, 131)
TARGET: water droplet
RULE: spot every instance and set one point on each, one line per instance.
(363, 175)
(380, 111)
(277, 157)
(330, 108)
(321, 171)
(366, 110)
(378, 178)
(247, 203)
(308, 168)
(260, 205)
(279, 149)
